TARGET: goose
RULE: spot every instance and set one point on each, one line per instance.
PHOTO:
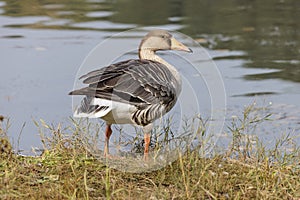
(135, 91)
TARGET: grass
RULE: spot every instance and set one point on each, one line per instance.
(66, 170)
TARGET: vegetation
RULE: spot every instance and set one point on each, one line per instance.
(66, 170)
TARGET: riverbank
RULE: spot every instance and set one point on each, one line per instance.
(66, 170)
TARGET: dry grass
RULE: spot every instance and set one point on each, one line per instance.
(66, 170)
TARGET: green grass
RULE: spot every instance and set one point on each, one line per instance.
(66, 170)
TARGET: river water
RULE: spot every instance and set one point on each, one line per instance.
(254, 44)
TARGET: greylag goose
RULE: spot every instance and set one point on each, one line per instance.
(135, 91)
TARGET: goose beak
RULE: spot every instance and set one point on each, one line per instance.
(176, 45)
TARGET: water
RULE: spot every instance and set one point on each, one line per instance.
(255, 46)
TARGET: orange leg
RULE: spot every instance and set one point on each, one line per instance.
(108, 133)
(147, 143)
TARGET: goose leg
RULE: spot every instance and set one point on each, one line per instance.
(108, 133)
(147, 133)
(146, 148)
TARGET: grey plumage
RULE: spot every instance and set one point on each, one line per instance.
(148, 85)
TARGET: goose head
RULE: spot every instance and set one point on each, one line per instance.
(158, 40)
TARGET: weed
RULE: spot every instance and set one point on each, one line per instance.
(68, 170)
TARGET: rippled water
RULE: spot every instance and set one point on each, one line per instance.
(255, 45)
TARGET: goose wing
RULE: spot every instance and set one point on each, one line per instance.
(136, 82)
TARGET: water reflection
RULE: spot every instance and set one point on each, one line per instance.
(267, 30)
(254, 43)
